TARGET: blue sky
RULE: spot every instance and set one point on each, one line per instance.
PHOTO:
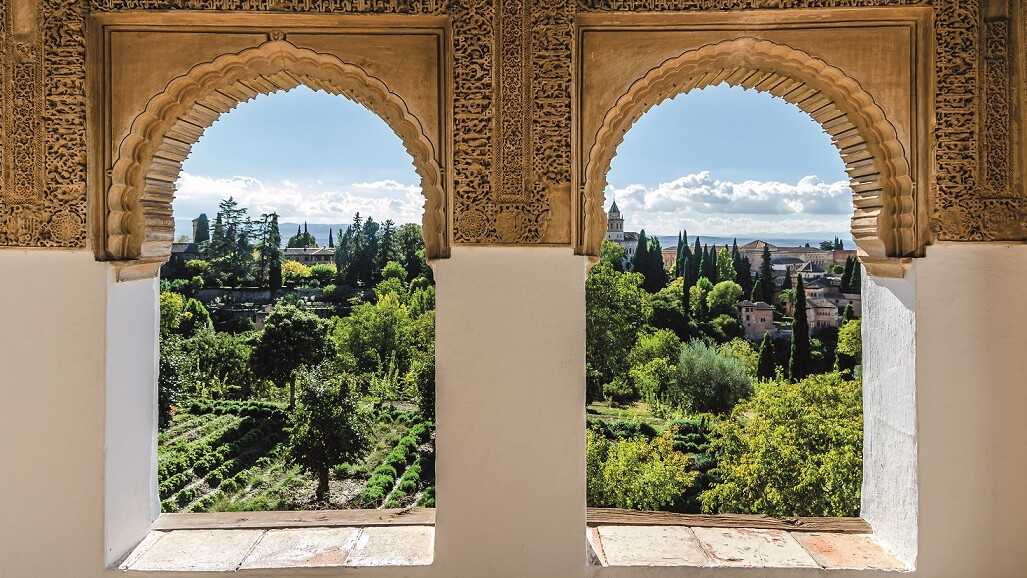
(720, 161)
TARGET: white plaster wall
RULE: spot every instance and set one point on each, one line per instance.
(889, 500)
(130, 449)
(511, 422)
(510, 338)
(52, 352)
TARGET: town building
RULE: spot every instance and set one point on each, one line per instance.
(757, 318)
(821, 314)
(309, 255)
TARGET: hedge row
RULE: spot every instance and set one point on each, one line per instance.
(383, 478)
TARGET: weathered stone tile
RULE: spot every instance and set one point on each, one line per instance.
(753, 548)
(847, 551)
(302, 547)
(594, 554)
(394, 546)
(198, 551)
(141, 549)
(651, 546)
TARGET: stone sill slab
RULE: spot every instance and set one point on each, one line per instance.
(309, 547)
(713, 547)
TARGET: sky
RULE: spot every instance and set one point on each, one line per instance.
(719, 161)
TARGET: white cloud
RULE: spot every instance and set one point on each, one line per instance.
(703, 204)
(295, 202)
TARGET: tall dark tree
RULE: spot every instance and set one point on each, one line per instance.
(788, 279)
(848, 314)
(766, 277)
(270, 249)
(640, 260)
(274, 240)
(856, 285)
(202, 229)
(743, 274)
(766, 368)
(800, 364)
(655, 274)
(847, 274)
(757, 290)
(303, 239)
(331, 239)
(686, 300)
(230, 250)
(711, 264)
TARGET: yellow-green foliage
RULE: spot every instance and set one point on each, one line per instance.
(171, 306)
(635, 473)
(794, 449)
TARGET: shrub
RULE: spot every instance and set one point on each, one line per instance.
(635, 473)
(407, 486)
(708, 381)
(794, 449)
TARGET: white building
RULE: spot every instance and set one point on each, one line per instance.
(615, 232)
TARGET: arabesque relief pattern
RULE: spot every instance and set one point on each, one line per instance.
(504, 190)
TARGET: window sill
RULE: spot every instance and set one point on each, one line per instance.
(623, 538)
(227, 542)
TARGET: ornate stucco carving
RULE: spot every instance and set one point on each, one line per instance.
(511, 64)
(139, 225)
(884, 224)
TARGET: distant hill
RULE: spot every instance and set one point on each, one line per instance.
(320, 232)
(799, 240)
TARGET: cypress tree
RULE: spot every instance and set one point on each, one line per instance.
(757, 290)
(655, 274)
(856, 286)
(848, 314)
(640, 260)
(202, 229)
(274, 241)
(331, 240)
(766, 369)
(847, 274)
(766, 275)
(743, 274)
(801, 361)
(788, 279)
(686, 301)
(710, 270)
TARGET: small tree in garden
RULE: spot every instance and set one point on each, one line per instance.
(326, 427)
(766, 369)
(292, 337)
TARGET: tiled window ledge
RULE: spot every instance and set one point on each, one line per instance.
(735, 547)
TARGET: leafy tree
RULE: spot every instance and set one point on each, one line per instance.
(850, 346)
(422, 372)
(725, 327)
(292, 337)
(219, 365)
(202, 229)
(195, 318)
(294, 273)
(635, 473)
(793, 449)
(667, 309)
(827, 245)
(172, 305)
(269, 250)
(708, 381)
(740, 349)
(409, 250)
(725, 266)
(172, 366)
(801, 361)
(723, 298)
(230, 249)
(326, 428)
(323, 274)
(613, 254)
(376, 336)
(302, 239)
(617, 308)
(766, 369)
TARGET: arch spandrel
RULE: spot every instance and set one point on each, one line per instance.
(884, 222)
(139, 223)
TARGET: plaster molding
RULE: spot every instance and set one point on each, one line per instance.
(884, 225)
(139, 224)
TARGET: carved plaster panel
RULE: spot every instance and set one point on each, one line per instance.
(511, 111)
